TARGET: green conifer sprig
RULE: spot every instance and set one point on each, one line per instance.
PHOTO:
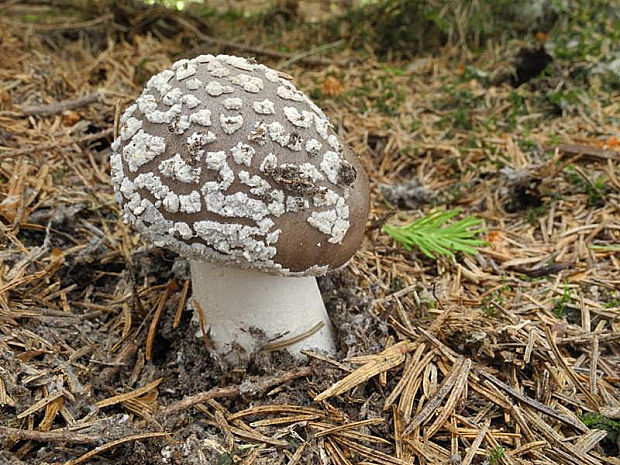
(434, 237)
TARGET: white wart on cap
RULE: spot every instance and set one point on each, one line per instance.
(224, 160)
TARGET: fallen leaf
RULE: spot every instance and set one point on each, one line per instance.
(69, 117)
(332, 86)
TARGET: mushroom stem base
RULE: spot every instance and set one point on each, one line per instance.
(258, 311)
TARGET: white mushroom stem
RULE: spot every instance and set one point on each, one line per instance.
(238, 305)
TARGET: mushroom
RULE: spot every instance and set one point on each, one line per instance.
(225, 162)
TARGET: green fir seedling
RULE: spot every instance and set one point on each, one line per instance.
(434, 236)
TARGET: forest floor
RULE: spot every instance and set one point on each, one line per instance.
(509, 356)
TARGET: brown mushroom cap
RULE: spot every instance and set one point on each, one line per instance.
(222, 159)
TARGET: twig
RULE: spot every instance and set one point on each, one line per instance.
(397, 294)
(57, 144)
(252, 49)
(312, 51)
(543, 270)
(55, 436)
(263, 384)
(255, 50)
(61, 26)
(249, 387)
(59, 107)
(588, 151)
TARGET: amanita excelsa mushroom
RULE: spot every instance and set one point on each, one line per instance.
(225, 162)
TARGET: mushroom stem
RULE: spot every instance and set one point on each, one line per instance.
(255, 310)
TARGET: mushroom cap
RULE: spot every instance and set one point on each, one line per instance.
(223, 160)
